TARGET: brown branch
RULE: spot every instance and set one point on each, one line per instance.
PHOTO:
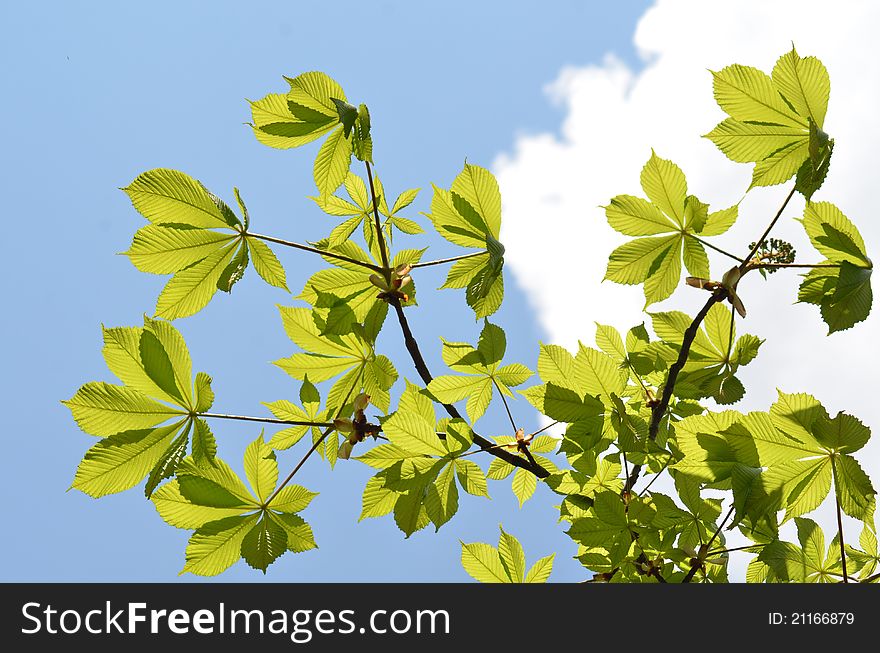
(452, 259)
(422, 368)
(659, 410)
(704, 549)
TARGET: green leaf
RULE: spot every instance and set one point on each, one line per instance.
(412, 432)
(180, 512)
(472, 478)
(314, 92)
(746, 142)
(204, 394)
(480, 189)
(216, 546)
(234, 271)
(261, 468)
(190, 290)
(524, 484)
(804, 83)
(720, 221)
(597, 374)
(512, 557)
(170, 196)
(332, 162)
(377, 499)
(748, 95)
(213, 484)
(665, 185)
(857, 494)
(299, 534)
(204, 446)
(167, 463)
(164, 249)
(275, 125)
(441, 499)
(410, 513)
(632, 262)
(833, 234)
(122, 460)
(267, 264)
(175, 353)
(123, 357)
(483, 563)
(541, 570)
(103, 409)
(264, 543)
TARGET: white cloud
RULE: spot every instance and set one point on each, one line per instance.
(556, 235)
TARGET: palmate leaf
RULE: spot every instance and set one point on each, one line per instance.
(715, 354)
(842, 293)
(469, 215)
(807, 563)
(327, 355)
(783, 459)
(419, 466)
(666, 226)
(182, 241)
(154, 364)
(771, 119)
(230, 522)
(484, 374)
(505, 563)
(304, 114)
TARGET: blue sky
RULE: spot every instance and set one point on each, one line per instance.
(99, 92)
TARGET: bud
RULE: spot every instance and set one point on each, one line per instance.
(343, 425)
(361, 402)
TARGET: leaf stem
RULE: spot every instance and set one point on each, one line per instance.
(839, 519)
(314, 447)
(717, 249)
(265, 420)
(379, 235)
(760, 241)
(718, 552)
(315, 250)
(795, 265)
(706, 547)
(506, 406)
(452, 259)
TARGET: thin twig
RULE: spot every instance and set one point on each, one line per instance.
(719, 552)
(315, 250)
(760, 241)
(315, 445)
(839, 522)
(506, 406)
(717, 249)
(452, 259)
(412, 346)
(776, 266)
(266, 420)
(425, 374)
(693, 569)
(381, 238)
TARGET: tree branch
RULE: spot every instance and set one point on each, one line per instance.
(422, 368)
(315, 250)
(659, 410)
